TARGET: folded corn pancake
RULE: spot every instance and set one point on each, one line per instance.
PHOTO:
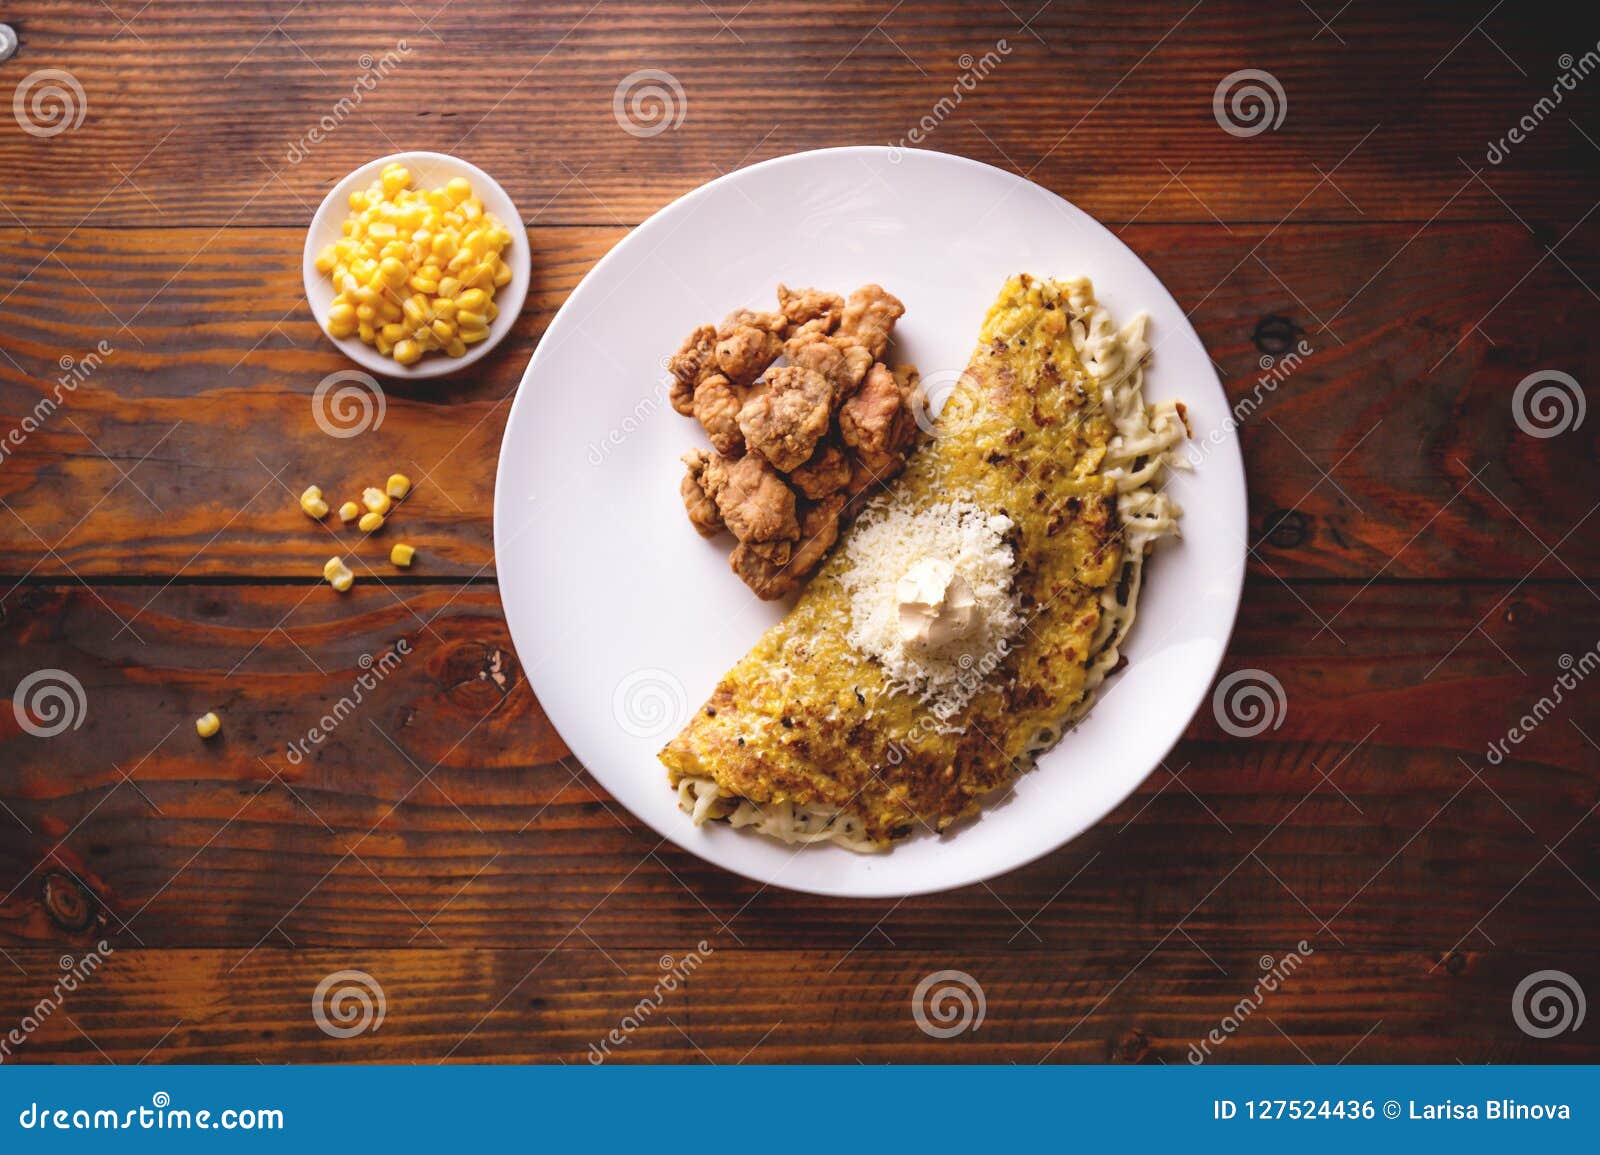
(853, 719)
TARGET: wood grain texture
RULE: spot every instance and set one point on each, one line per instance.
(1420, 565)
(443, 810)
(775, 1006)
(1103, 104)
(1389, 448)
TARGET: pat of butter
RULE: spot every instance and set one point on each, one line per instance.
(936, 604)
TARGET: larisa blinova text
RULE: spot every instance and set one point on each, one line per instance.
(1491, 1109)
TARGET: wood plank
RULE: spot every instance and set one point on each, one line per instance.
(1390, 448)
(442, 809)
(785, 1006)
(1111, 107)
(198, 1006)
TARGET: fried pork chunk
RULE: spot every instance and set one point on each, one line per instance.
(810, 307)
(819, 530)
(879, 418)
(785, 422)
(716, 406)
(826, 473)
(747, 342)
(703, 512)
(694, 360)
(755, 503)
(869, 318)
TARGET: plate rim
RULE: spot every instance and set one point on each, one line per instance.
(1002, 867)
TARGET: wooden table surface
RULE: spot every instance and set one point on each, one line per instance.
(1425, 561)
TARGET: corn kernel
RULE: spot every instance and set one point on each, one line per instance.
(375, 499)
(475, 300)
(402, 554)
(458, 190)
(370, 522)
(407, 352)
(397, 486)
(207, 725)
(337, 574)
(472, 336)
(456, 347)
(467, 319)
(349, 511)
(311, 501)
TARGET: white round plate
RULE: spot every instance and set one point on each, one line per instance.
(625, 618)
(428, 170)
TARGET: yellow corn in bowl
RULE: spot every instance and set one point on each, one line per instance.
(416, 264)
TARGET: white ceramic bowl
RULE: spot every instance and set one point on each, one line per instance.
(428, 170)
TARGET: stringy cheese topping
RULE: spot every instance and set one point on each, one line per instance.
(890, 538)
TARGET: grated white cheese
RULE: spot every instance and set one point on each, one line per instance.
(889, 538)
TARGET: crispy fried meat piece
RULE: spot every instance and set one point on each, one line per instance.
(819, 529)
(816, 307)
(843, 365)
(827, 472)
(773, 579)
(869, 317)
(879, 418)
(754, 502)
(716, 407)
(747, 342)
(785, 423)
(694, 360)
(703, 512)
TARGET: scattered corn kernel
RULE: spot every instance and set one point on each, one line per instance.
(337, 574)
(370, 522)
(398, 485)
(311, 501)
(349, 511)
(375, 499)
(404, 252)
(207, 725)
(402, 554)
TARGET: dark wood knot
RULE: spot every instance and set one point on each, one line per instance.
(1275, 335)
(1289, 529)
(69, 906)
(1132, 1047)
